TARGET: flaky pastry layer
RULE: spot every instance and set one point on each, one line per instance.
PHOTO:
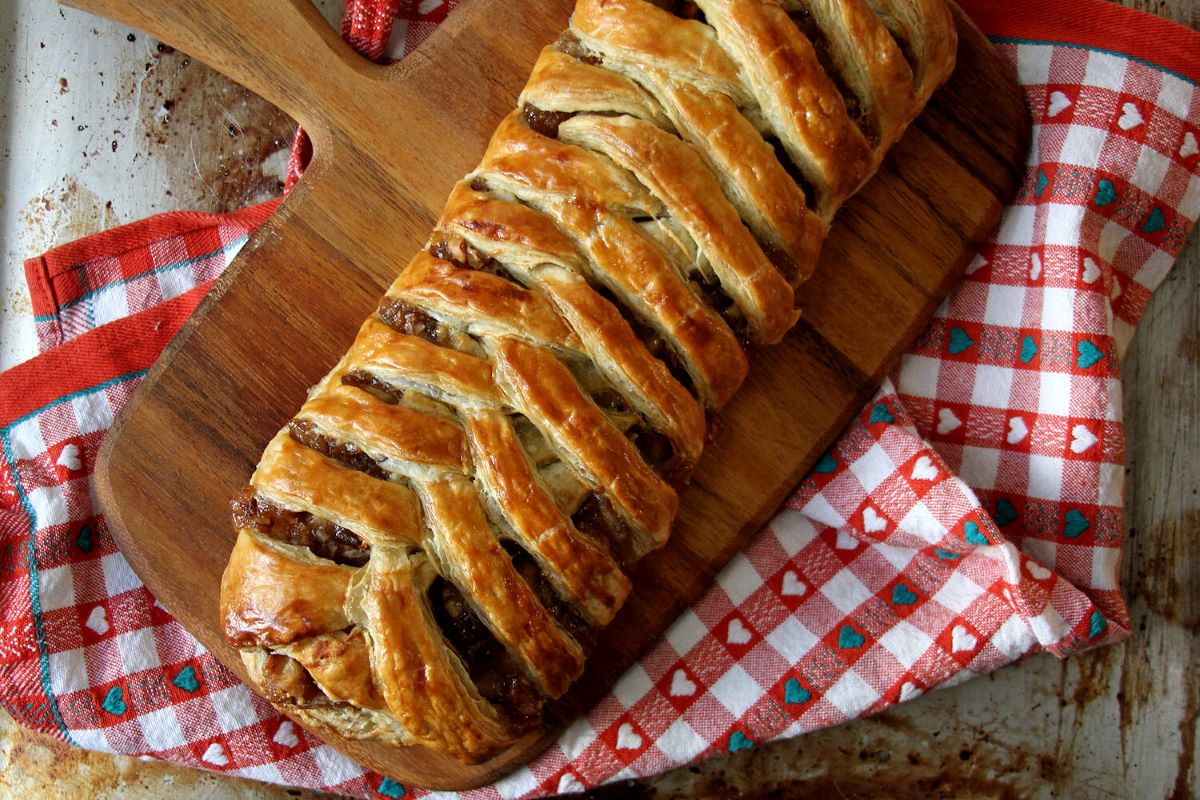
(426, 551)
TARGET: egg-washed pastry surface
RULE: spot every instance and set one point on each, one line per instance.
(426, 551)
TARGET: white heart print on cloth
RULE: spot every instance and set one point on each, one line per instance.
(69, 458)
(628, 738)
(737, 633)
(682, 685)
(1190, 146)
(1131, 117)
(1017, 430)
(947, 421)
(286, 734)
(873, 521)
(1082, 439)
(792, 586)
(963, 640)
(98, 620)
(924, 470)
(568, 784)
(1037, 571)
(847, 540)
(1059, 102)
(215, 754)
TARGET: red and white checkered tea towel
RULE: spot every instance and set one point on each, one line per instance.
(969, 516)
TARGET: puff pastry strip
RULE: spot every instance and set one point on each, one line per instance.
(428, 547)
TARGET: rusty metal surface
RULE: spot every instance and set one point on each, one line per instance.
(1115, 723)
(34, 766)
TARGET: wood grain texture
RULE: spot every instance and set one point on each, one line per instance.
(389, 144)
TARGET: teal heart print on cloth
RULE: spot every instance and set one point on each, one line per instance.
(186, 679)
(973, 535)
(114, 701)
(1006, 512)
(84, 540)
(1155, 223)
(960, 342)
(794, 692)
(880, 413)
(902, 595)
(827, 465)
(392, 789)
(1029, 349)
(849, 639)
(740, 741)
(1075, 524)
(1089, 355)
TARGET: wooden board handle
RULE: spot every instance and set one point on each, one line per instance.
(283, 50)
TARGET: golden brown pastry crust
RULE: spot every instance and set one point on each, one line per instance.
(269, 598)
(427, 548)
(581, 569)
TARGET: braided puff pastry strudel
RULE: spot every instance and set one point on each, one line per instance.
(426, 550)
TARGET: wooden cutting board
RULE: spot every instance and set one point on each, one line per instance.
(389, 144)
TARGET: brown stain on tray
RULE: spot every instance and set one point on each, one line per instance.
(34, 765)
(218, 134)
(888, 756)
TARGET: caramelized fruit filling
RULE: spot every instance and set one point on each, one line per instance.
(286, 681)
(544, 122)
(654, 341)
(569, 44)
(324, 538)
(462, 254)
(792, 169)
(657, 450)
(563, 613)
(595, 517)
(495, 674)
(714, 295)
(344, 453)
(373, 386)
(405, 318)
